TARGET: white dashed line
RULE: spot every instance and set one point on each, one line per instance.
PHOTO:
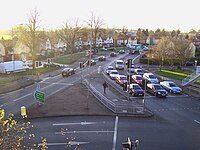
(197, 122)
(115, 134)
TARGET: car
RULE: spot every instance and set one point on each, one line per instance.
(113, 54)
(68, 72)
(29, 63)
(121, 79)
(189, 63)
(108, 69)
(51, 64)
(103, 49)
(136, 79)
(119, 64)
(111, 48)
(139, 71)
(150, 78)
(101, 58)
(135, 90)
(93, 62)
(171, 87)
(121, 51)
(156, 89)
(113, 74)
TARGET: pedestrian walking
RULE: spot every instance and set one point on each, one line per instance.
(104, 87)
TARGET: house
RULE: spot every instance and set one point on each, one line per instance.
(21, 51)
(2, 52)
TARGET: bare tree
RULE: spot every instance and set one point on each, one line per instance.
(29, 35)
(94, 24)
(70, 34)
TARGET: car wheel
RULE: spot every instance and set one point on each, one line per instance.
(64, 74)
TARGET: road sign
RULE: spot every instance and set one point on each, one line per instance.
(39, 96)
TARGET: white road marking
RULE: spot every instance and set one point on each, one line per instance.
(66, 124)
(69, 143)
(22, 97)
(71, 132)
(197, 121)
(115, 134)
(58, 83)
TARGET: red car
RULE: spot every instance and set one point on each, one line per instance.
(121, 79)
(137, 79)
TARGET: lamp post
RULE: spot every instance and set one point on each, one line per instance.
(195, 64)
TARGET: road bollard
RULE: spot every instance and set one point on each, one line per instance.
(23, 112)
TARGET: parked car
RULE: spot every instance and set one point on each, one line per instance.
(171, 87)
(108, 69)
(113, 74)
(51, 64)
(68, 72)
(139, 71)
(135, 90)
(121, 79)
(29, 63)
(119, 64)
(103, 49)
(121, 51)
(101, 58)
(111, 48)
(113, 54)
(189, 63)
(136, 79)
(156, 89)
(150, 78)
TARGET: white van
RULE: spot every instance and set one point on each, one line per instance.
(119, 64)
(13, 66)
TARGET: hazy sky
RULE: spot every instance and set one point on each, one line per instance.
(151, 14)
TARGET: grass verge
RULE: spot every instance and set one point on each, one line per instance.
(177, 75)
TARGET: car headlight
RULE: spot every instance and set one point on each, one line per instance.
(159, 93)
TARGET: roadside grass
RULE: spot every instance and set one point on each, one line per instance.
(36, 71)
(5, 81)
(177, 75)
(69, 59)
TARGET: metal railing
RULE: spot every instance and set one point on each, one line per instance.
(192, 77)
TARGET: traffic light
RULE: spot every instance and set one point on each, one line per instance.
(129, 63)
(48, 60)
(81, 65)
(129, 78)
(125, 86)
(128, 145)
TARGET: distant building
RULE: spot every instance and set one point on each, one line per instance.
(2, 52)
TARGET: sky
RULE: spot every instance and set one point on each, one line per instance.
(133, 14)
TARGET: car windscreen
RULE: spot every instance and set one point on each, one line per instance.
(110, 68)
(139, 71)
(152, 77)
(114, 72)
(138, 78)
(120, 63)
(123, 78)
(157, 87)
(136, 87)
(172, 85)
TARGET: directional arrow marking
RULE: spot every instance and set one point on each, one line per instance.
(71, 143)
(66, 124)
(71, 132)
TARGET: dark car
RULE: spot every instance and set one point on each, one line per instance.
(135, 90)
(189, 63)
(101, 58)
(113, 54)
(156, 89)
(68, 72)
(93, 62)
(121, 51)
(51, 64)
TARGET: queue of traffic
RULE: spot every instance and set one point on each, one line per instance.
(136, 81)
